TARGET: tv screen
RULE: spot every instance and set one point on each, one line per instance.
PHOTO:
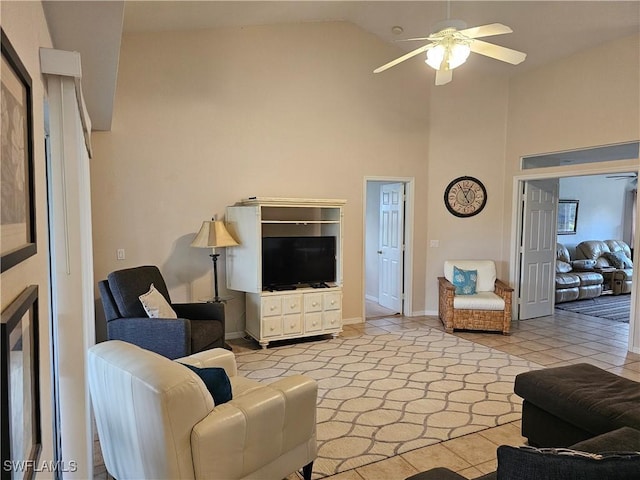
(298, 260)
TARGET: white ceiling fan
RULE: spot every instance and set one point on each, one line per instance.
(450, 46)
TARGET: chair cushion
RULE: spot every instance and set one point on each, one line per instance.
(589, 278)
(618, 246)
(562, 253)
(618, 259)
(128, 284)
(563, 267)
(529, 463)
(464, 281)
(216, 380)
(567, 280)
(583, 264)
(479, 301)
(486, 272)
(156, 305)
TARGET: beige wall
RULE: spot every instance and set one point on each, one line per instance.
(204, 119)
(25, 26)
(466, 138)
(589, 99)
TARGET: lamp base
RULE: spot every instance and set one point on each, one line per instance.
(214, 259)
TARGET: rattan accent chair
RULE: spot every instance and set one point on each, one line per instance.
(488, 309)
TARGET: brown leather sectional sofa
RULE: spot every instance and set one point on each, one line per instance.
(575, 280)
(610, 254)
(599, 266)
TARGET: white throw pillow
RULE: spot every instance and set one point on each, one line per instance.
(156, 305)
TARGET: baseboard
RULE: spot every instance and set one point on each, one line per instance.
(352, 321)
(371, 298)
(234, 335)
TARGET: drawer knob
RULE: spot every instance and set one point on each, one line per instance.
(314, 323)
(333, 302)
(273, 328)
(293, 325)
(272, 308)
(292, 306)
(332, 322)
(314, 304)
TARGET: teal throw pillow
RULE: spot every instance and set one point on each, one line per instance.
(217, 382)
(464, 281)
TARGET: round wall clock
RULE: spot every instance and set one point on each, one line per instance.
(465, 196)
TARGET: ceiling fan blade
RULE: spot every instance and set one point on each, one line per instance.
(413, 53)
(443, 76)
(486, 30)
(413, 39)
(496, 51)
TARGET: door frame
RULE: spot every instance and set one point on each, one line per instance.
(409, 193)
(600, 168)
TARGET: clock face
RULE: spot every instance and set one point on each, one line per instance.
(465, 196)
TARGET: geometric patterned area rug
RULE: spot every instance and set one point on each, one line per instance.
(383, 395)
(611, 307)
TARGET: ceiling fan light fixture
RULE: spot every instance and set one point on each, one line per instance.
(450, 53)
(435, 56)
(458, 54)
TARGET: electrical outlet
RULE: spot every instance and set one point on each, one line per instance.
(434, 243)
(120, 254)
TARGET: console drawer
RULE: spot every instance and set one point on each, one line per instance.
(291, 304)
(332, 301)
(332, 319)
(313, 302)
(292, 324)
(271, 306)
(272, 326)
(313, 322)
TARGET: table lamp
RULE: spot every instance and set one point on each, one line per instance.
(214, 234)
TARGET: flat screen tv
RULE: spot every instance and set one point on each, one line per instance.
(298, 260)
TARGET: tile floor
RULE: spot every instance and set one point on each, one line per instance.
(561, 339)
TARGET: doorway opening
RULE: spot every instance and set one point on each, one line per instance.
(387, 249)
(608, 215)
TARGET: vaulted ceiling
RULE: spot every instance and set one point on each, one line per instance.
(546, 31)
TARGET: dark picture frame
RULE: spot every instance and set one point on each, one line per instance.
(17, 208)
(21, 433)
(567, 217)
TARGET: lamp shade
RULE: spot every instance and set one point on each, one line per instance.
(213, 234)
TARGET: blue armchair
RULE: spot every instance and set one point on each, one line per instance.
(199, 326)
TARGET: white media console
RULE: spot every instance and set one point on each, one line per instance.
(300, 312)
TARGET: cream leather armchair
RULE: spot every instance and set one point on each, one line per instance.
(157, 420)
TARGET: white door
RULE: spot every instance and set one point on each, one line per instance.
(538, 248)
(391, 246)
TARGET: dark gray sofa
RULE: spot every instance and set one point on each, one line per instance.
(571, 412)
(529, 463)
(566, 405)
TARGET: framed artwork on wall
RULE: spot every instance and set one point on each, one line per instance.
(567, 217)
(20, 413)
(17, 208)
